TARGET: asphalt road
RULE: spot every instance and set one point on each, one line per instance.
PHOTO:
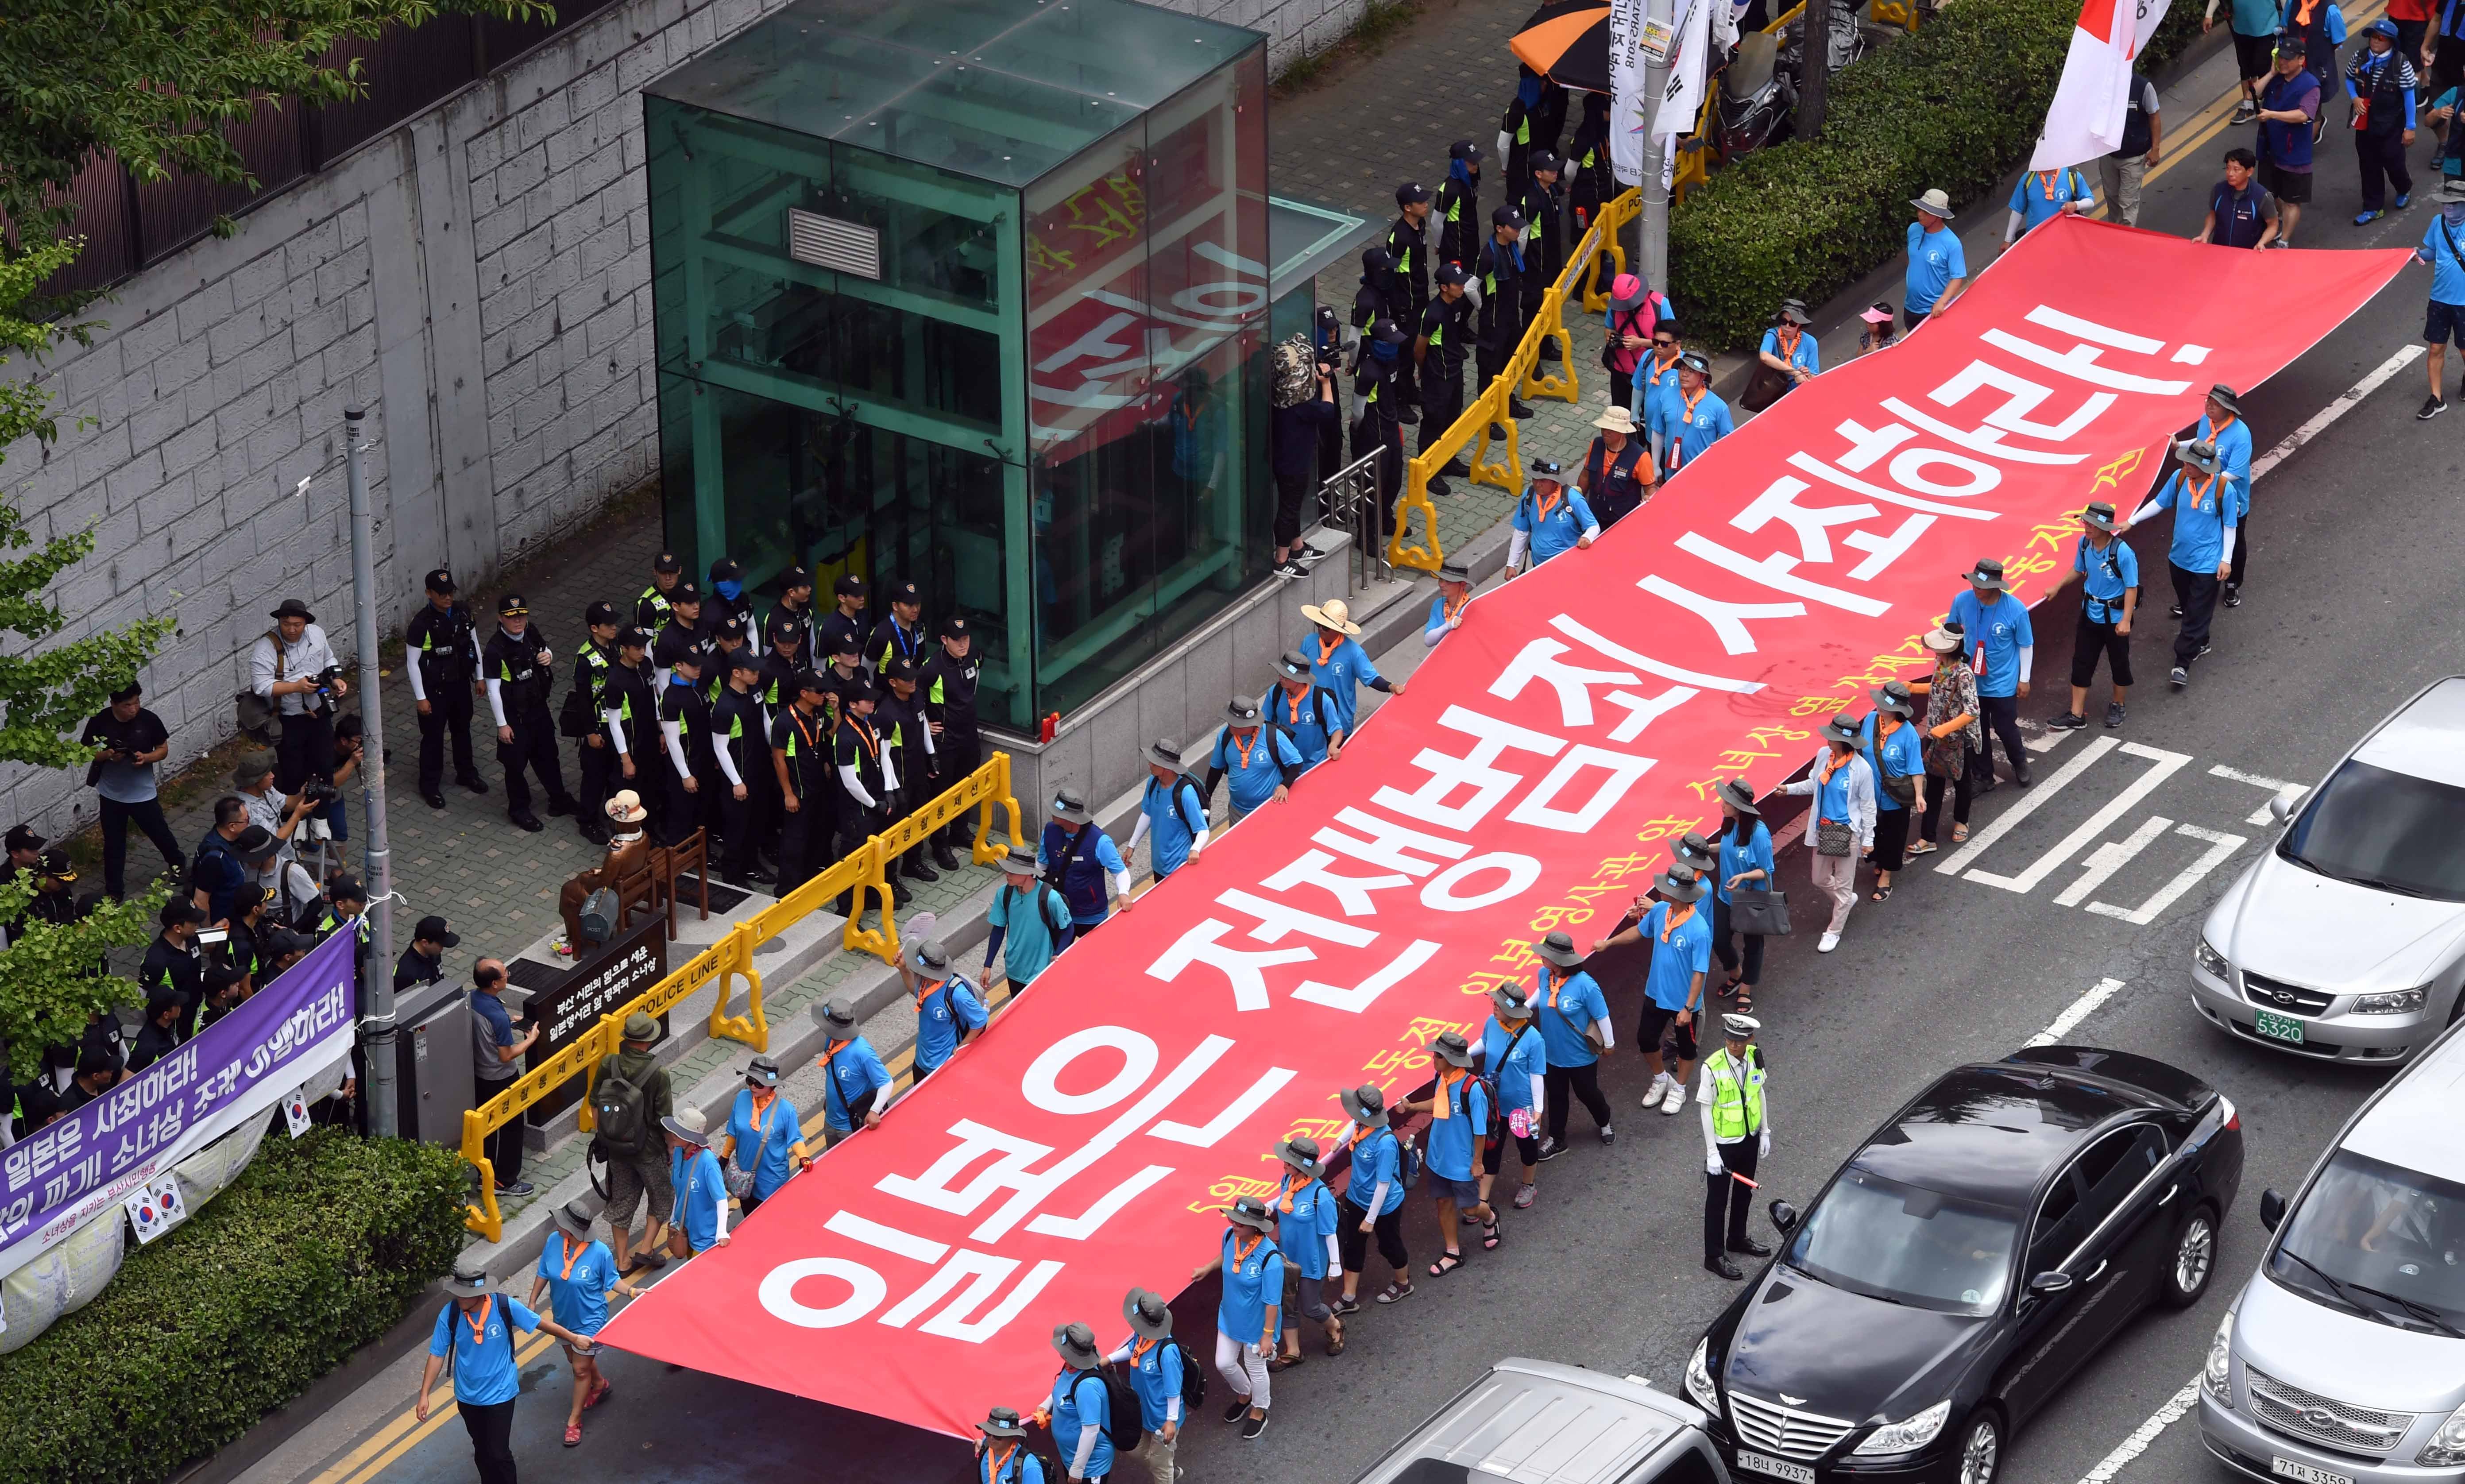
(2350, 574)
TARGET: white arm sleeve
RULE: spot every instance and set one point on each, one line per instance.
(722, 1214)
(889, 770)
(727, 765)
(1431, 636)
(1122, 883)
(1378, 1198)
(1088, 1435)
(1608, 1032)
(1118, 1355)
(615, 720)
(856, 788)
(2028, 653)
(495, 701)
(1138, 832)
(1592, 531)
(1517, 543)
(1540, 1095)
(674, 733)
(658, 679)
(411, 669)
(1198, 841)
(2012, 230)
(1703, 1106)
(1333, 1260)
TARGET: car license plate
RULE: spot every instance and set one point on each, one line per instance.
(1796, 1473)
(2280, 1028)
(2288, 1469)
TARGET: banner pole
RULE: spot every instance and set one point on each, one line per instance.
(376, 1020)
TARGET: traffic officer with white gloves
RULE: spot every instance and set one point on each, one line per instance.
(442, 647)
(1737, 1134)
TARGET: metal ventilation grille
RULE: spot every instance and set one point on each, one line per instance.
(828, 242)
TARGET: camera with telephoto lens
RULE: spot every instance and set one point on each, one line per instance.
(317, 793)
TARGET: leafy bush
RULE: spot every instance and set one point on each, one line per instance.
(1956, 105)
(315, 1251)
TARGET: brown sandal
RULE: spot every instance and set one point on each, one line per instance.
(1335, 1340)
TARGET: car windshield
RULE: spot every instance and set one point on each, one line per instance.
(2381, 1241)
(1887, 1240)
(2391, 831)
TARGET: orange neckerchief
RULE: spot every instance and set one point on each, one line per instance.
(1542, 505)
(1661, 367)
(1835, 762)
(1678, 913)
(1139, 1348)
(1001, 1457)
(1293, 703)
(574, 1251)
(1691, 401)
(1455, 606)
(2199, 492)
(1245, 746)
(480, 1325)
(1287, 1190)
(2046, 181)
(926, 993)
(1554, 982)
(1327, 647)
(1789, 336)
(2303, 15)
(1448, 1077)
(1242, 1250)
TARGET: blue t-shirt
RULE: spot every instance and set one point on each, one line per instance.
(1654, 384)
(2233, 457)
(1025, 919)
(1341, 670)
(1513, 1071)
(1376, 1160)
(1686, 430)
(577, 1296)
(1304, 1219)
(1935, 259)
(1808, 357)
(2257, 17)
(943, 1015)
(2107, 575)
(772, 1158)
(854, 1069)
(2002, 632)
(1676, 959)
(1437, 623)
(1566, 1009)
(1251, 772)
(1899, 756)
(1455, 1139)
(2204, 520)
(484, 1372)
(2041, 195)
(1078, 1398)
(1155, 1375)
(1745, 847)
(1254, 1290)
(1831, 794)
(1558, 529)
(1174, 818)
(701, 1185)
(1311, 719)
(2440, 245)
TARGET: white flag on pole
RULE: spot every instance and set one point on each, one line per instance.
(1626, 91)
(2085, 120)
(1689, 54)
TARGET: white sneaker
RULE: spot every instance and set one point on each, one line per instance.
(1659, 1088)
(1677, 1097)
(1829, 942)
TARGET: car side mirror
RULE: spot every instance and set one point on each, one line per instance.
(2272, 1209)
(2051, 1282)
(2281, 805)
(1784, 1216)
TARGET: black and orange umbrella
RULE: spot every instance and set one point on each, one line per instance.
(1568, 41)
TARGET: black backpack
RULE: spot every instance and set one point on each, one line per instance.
(620, 1113)
(1193, 1381)
(1046, 897)
(1124, 1421)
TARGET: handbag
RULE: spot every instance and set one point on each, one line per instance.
(1762, 913)
(739, 1173)
(1901, 788)
(1831, 838)
(1765, 388)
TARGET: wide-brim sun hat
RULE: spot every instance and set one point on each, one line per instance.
(1335, 613)
(1558, 949)
(1734, 793)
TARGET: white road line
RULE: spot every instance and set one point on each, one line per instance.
(2168, 763)
(2069, 1020)
(2138, 1443)
(2005, 822)
(2110, 857)
(2345, 403)
(2220, 846)
(2259, 815)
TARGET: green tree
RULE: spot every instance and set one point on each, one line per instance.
(154, 83)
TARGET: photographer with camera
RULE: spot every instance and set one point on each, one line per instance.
(278, 815)
(1304, 407)
(294, 668)
(130, 740)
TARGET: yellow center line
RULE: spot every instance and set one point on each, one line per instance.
(2210, 120)
(389, 1442)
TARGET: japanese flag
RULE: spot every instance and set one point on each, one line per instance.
(2085, 120)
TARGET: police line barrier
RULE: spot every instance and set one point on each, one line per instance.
(866, 872)
(1583, 278)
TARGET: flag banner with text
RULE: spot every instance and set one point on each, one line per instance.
(52, 1181)
(1532, 778)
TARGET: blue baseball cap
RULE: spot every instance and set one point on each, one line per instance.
(2382, 27)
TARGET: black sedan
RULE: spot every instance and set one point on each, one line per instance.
(1983, 1244)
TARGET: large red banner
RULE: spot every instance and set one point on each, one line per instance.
(1530, 780)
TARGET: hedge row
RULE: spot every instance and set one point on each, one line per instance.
(316, 1250)
(1956, 105)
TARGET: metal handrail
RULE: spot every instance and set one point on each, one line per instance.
(1350, 496)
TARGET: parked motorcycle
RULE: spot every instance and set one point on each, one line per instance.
(1755, 98)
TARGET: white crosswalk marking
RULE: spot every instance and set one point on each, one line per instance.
(2220, 846)
(2009, 820)
(2259, 815)
(2110, 857)
(2168, 763)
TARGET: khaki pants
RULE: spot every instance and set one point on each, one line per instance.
(2122, 179)
(1158, 1454)
(1836, 877)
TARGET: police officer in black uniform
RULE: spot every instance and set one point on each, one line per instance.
(1370, 296)
(949, 683)
(650, 609)
(1499, 272)
(1407, 243)
(868, 780)
(684, 736)
(1542, 201)
(726, 641)
(901, 635)
(899, 718)
(516, 665)
(845, 677)
(747, 793)
(845, 626)
(580, 720)
(443, 647)
(1381, 428)
(1591, 184)
(801, 747)
(629, 708)
(1444, 338)
(1457, 207)
(725, 599)
(794, 613)
(683, 633)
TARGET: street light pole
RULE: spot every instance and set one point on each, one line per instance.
(1653, 252)
(376, 1018)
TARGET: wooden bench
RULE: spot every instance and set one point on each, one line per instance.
(653, 888)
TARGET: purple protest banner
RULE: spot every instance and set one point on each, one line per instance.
(239, 1068)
